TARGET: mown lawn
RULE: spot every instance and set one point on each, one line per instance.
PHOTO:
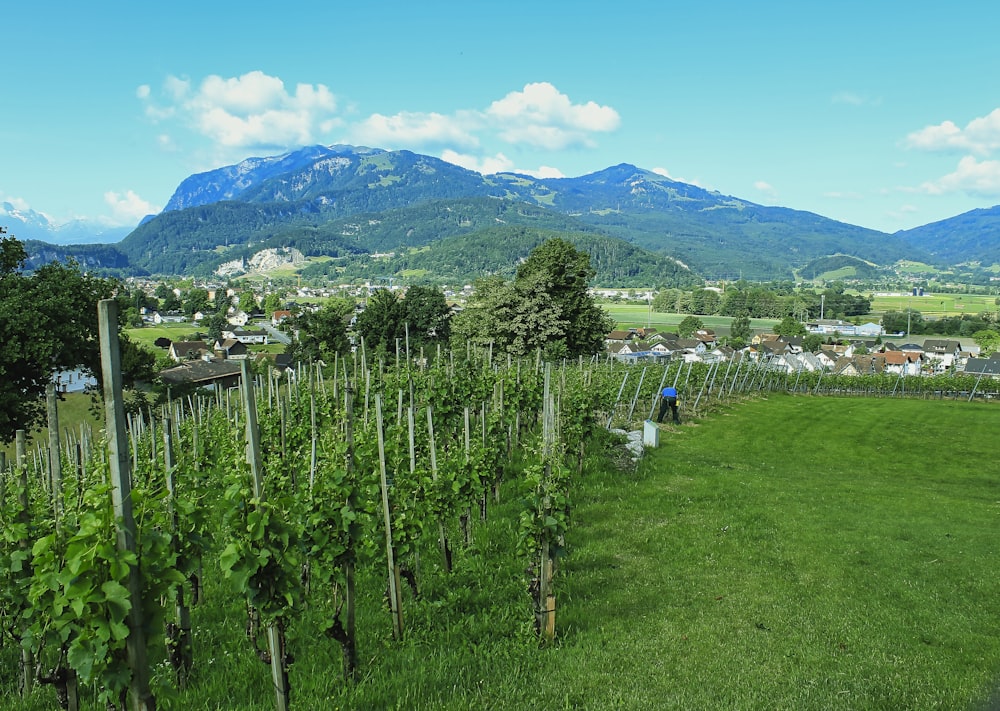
(793, 553)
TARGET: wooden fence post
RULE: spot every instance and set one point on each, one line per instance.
(140, 696)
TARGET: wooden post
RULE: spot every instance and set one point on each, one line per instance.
(546, 605)
(395, 598)
(185, 653)
(442, 535)
(27, 676)
(140, 696)
(55, 452)
(275, 643)
(350, 594)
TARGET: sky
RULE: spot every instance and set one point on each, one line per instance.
(884, 115)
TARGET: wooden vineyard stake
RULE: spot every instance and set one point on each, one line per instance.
(140, 696)
(546, 597)
(350, 645)
(395, 598)
(182, 652)
(27, 675)
(275, 638)
(55, 459)
(442, 535)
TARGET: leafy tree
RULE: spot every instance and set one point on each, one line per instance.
(197, 300)
(381, 323)
(790, 326)
(812, 342)
(518, 317)
(215, 324)
(988, 341)
(564, 273)
(247, 301)
(903, 321)
(740, 328)
(322, 333)
(171, 303)
(272, 303)
(48, 323)
(426, 312)
(687, 327)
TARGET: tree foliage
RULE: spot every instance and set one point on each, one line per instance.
(546, 307)
(48, 323)
(323, 333)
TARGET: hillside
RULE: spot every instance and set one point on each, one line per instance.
(970, 237)
(347, 204)
(713, 234)
(499, 249)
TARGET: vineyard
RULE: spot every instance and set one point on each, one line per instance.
(322, 514)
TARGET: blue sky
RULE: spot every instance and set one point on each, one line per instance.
(885, 115)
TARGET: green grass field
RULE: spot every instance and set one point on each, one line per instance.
(936, 305)
(639, 315)
(789, 553)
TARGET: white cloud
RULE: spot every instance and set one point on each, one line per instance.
(544, 171)
(18, 203)
(666, 174)
(253, 110)
(499, 163)
(847, 97)
(981, 135)
(256, 111)
(410, 130)
(542, 117)
(980, 178)
(128, 208)
(763, 186)
(487, 165)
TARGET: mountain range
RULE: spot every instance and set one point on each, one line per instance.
(360, 212)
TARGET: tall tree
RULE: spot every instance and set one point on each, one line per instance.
(688, 325)
(381, 323)
(48, 323)
(323, 333)
(546, 307)
(740, 330)
(426, 313)
(565, 273)
(790, 326)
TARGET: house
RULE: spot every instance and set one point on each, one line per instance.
(230, 349)
(187, 350)
(869, 329)
(691, 345)
(171, 317)
(903, 363)
(984, 367)
(247, 337)
(706, 336)
(74, 381)
(238, 318)
(618, 337)
(280, 316)
(859, 365)
(941, 354)
(208, 374)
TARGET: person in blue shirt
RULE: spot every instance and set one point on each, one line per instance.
(668, 399)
